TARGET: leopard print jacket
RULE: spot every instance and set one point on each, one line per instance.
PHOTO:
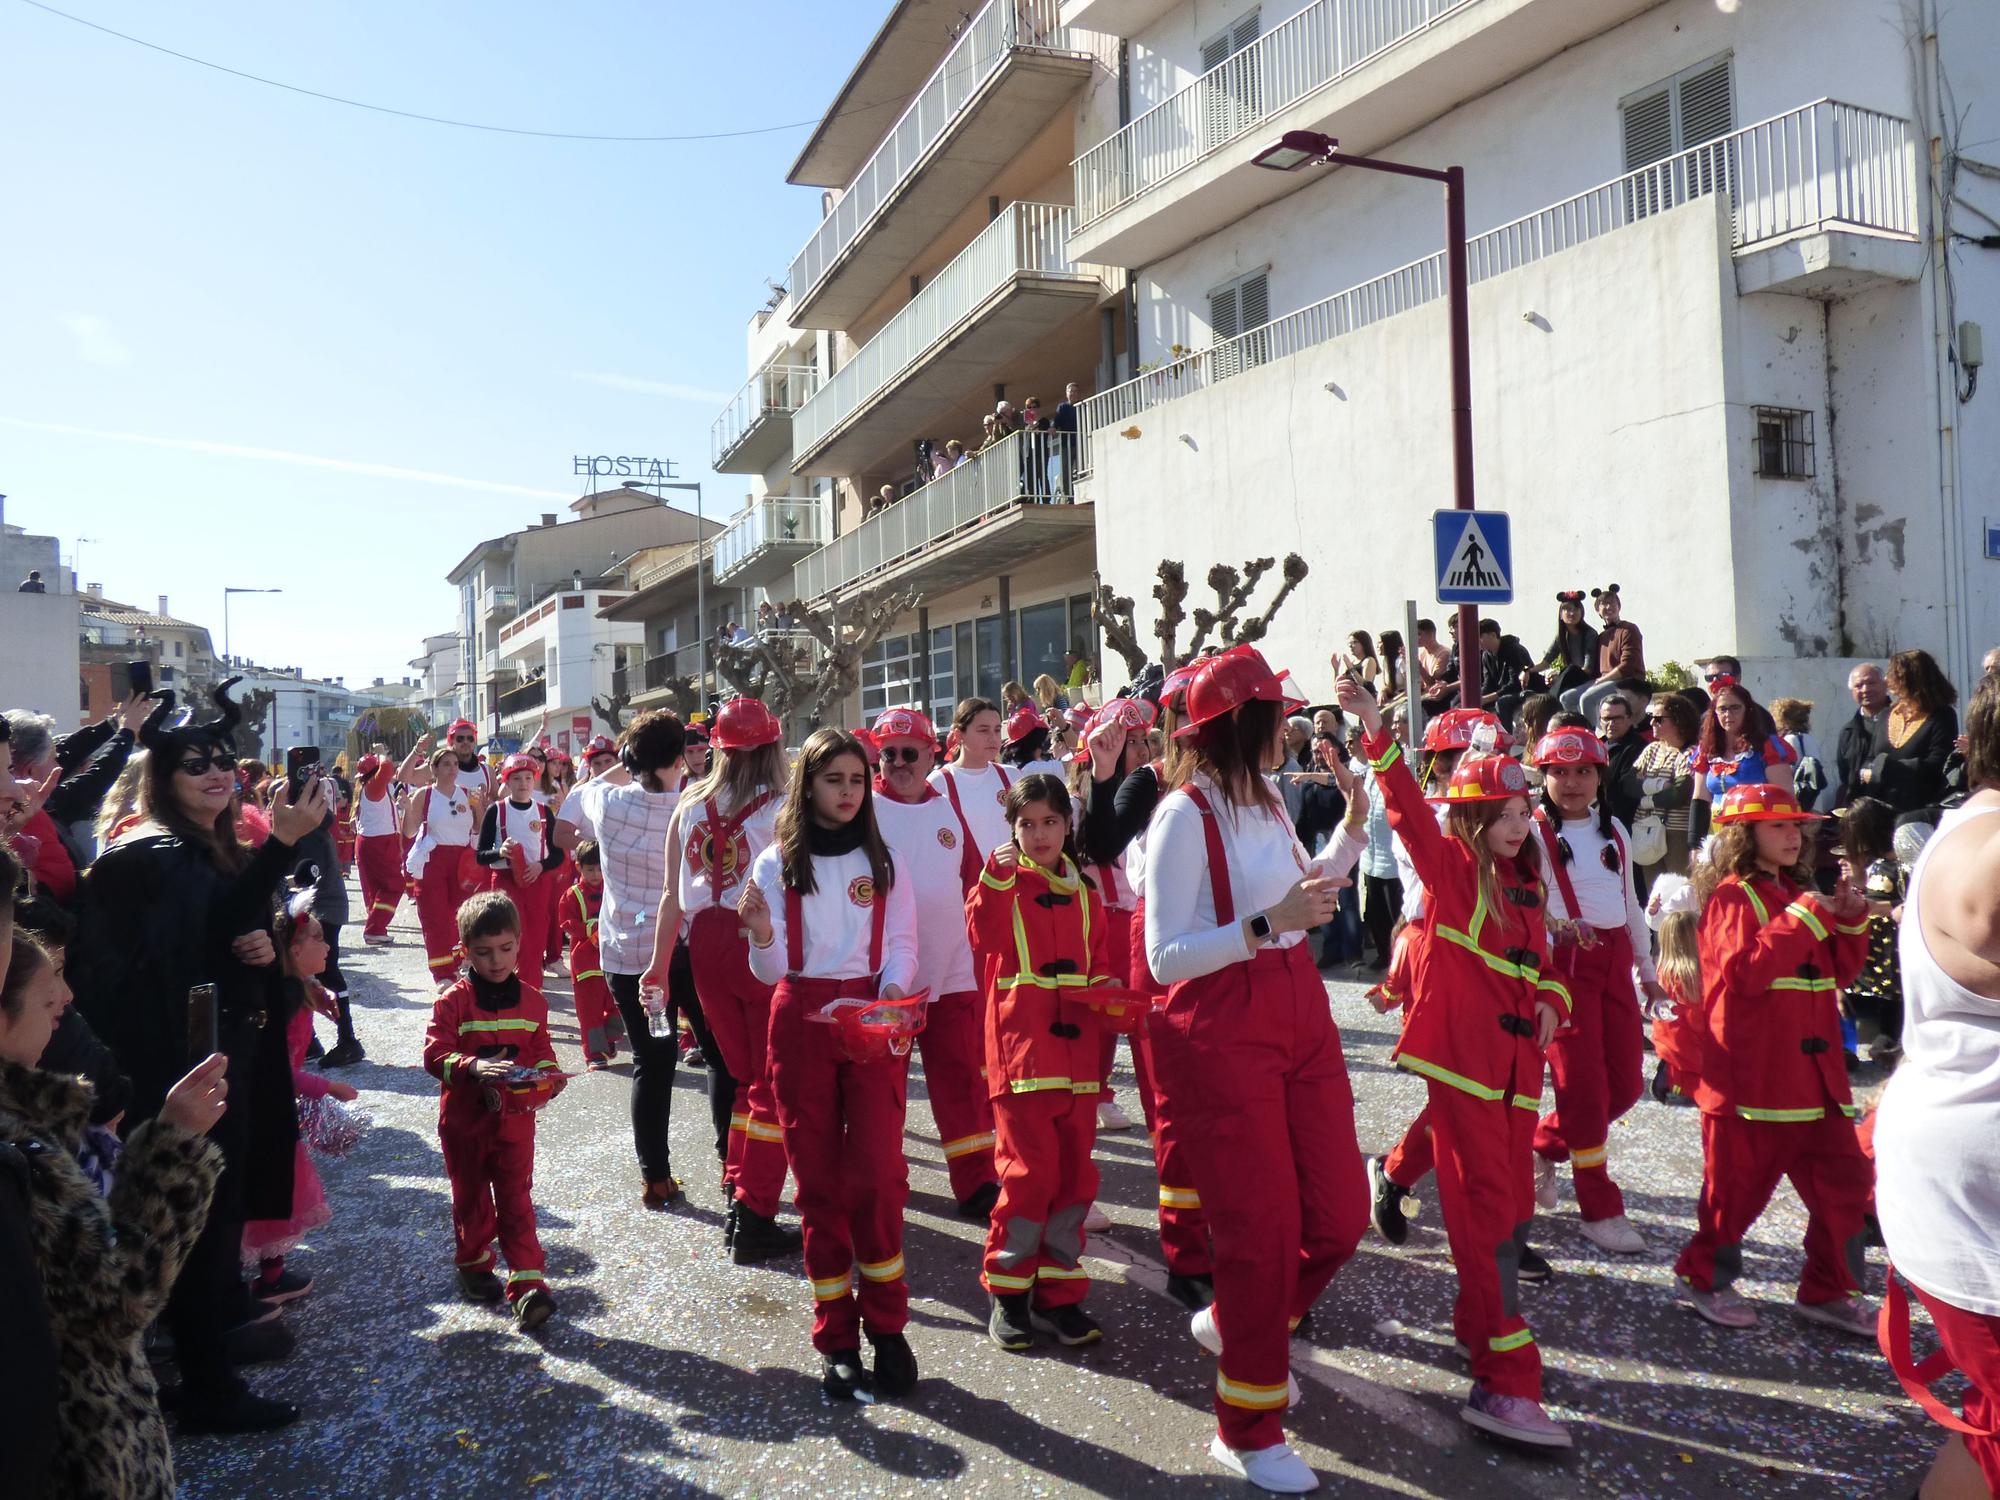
(107, 1264)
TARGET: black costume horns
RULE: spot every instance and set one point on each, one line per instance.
(156, 734)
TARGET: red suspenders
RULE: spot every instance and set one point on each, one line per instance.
(718, 836)
(1218, 861)
(795, 932)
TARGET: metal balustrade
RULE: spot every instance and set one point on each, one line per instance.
(787, 519)
(1026, 239)
(1316, 48)
(1001, 28)
(773, 389)
(1823, 164)
(1022, 466)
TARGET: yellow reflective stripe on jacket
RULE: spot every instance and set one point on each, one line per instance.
(1062, 1273)
(1782, 1116)
(1559, 992)
(1855, 931)
(588, 974)
(1533, 1106)
(1071, 885)
(1757, 901)
(1791, 982)
(1492, 961)
(1389, 757)
(1802, 909)
(520, 1023)
(1037, 1085)
(1446, 1076)
(986, 879)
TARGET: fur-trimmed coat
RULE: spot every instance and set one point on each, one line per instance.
(107, 1264)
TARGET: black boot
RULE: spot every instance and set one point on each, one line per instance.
(729, 1224)
(1392, 1219)
(1534, 1268)
(1071, 1325)
(895, 1364)
(845, 1378)
(346, 1049)
(480, 1286)
(1008, 1325)
(978, 1204)
(238, 1410)
(760, 1238)
(1192, 1292)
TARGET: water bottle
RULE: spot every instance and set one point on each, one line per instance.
(658, 1022)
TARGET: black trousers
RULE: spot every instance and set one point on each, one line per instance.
(1382, 899)
(208, 1300)
(654, 1059)
(336, 983)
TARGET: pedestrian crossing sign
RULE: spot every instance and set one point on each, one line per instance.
(1475, 557)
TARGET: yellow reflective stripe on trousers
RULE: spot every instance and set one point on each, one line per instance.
(1256, 1397)
(1589, 1156)
(1036, 1085)
(883, 1270)
(1781, 1116)
(1802, 909)
(759, 1130)
(1062, 1273)
(1172, 1197)
(588, 974)
(1520, 1338)
(1446, 1076)
(966, 1145)
(833, 1288)
(996, 1281)
(739, 1122)
(514, 1276)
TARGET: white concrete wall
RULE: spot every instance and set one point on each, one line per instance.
(40, 656)
(1603, 435)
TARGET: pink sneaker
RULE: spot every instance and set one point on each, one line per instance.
(1855, 1315)
(1515, 1418)
(1721, 1307)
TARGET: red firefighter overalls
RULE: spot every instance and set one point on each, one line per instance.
(1040, 941)
(378, 857)
(1183, 1226)
(576, 917)
(1251, 1059)
(1773, 1089)
(843, 1124)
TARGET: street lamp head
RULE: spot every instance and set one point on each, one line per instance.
(1295, 149)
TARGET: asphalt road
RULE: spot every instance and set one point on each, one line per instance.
(668, 1371)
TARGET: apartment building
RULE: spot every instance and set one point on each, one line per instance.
(938, 284)
(1718, 285)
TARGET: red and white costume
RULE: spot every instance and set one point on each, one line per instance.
(1042, 941)
(442, 863)
(576, 917)
(843, 1121)
(980, 798)
(378, 847)
(531, 827)
(930, 847)
(1247, 1052)
(487, 1131)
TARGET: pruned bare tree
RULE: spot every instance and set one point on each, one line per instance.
(1114, 616)
(793, 679)
(612, 710)
(1257, 626)
(256, 723)
(1233, 588)
(1171, 591)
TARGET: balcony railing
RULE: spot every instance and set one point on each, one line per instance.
(498, 597)
(1825, 164)
(1026, 239)
(773, 389)
(680, 562)
(1000, 28)
(528, 695)
(1026, 466)
(1319, 46)
(767, 523)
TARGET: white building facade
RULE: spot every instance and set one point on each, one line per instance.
(1715, 313)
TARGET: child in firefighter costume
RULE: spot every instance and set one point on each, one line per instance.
(378, 849)
(831, 919)
(1773, 1089)
(722, 824)
(975, 783)
(1247, 1051)
(1481, 1015)
(1042, 942)
(517, 845)
(1125, 790)
(932, 849)
(488, 1044)
(439, 825)
(1599, 937)
(597, 1023)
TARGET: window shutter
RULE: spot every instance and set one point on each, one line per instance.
(1224, 315)
(1649, 130)
(1215, 52)
(1253, 302)
(1705, 110)
(1246, 31)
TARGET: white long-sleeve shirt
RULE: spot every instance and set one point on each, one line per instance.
(1183, 938)
(839, 921)
(1606, 896)
(983, 795)
(689, 837)
(928, 848)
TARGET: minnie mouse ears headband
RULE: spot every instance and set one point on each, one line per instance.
(1573, 596)
(305, 885)
(1600, 593)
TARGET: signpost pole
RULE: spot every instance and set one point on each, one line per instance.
(1458, 313)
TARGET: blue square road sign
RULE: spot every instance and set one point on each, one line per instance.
(1475, 556)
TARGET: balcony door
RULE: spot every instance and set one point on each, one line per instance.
(1231, 95)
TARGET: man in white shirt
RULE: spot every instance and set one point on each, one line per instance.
(929, 843)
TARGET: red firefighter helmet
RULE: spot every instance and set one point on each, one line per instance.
(744, 724)
(1177, 680)
(1486, 778)
(520, 760)
(462, 726)
(904, 724)
(1228, 680)
(1027, 719)
(599, 745)
(1115, 1007)
(1761, 802)
(367, 766)
(1570, 747)
(559, 755)
(1135, 714)
(1455, 729)
(876, 1030)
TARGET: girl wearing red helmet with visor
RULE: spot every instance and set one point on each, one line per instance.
(1247, 1050)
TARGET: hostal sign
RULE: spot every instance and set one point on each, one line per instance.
(623, 466)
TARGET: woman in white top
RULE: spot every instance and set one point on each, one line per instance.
(1937, 1132)
(830, 920)
(974, 784)
(439, 823)
(723, 822)
(1247, 1049)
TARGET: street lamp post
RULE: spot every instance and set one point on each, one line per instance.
(225, 613)
(1297, 149)
(76, 564)
(700, 595)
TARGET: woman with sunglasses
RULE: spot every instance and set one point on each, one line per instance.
(1665, 783)
(180, 901)
(1739, 745)
(1598, 932)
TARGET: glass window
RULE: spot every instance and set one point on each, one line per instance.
(988, 676)
(1044, 640)
(967, 676)
(944, 681)
(888, 675)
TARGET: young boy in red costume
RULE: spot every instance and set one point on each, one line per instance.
(576, 917)
(488, 1043)
(1042, 942)
(1773, 1089)
(1480, 1019)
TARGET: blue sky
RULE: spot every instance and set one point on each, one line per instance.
(241, 324)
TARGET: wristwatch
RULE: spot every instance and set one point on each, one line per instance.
(1260, 928)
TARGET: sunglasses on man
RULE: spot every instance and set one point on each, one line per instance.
(906, 755)
(201, 765)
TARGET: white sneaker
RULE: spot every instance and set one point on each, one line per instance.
(1855, 1315)
(1276, 1468)
(1615, 1234)
(1545, 1182)
(1096, 1221)
(1206, 1334)
(1110, 1116)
